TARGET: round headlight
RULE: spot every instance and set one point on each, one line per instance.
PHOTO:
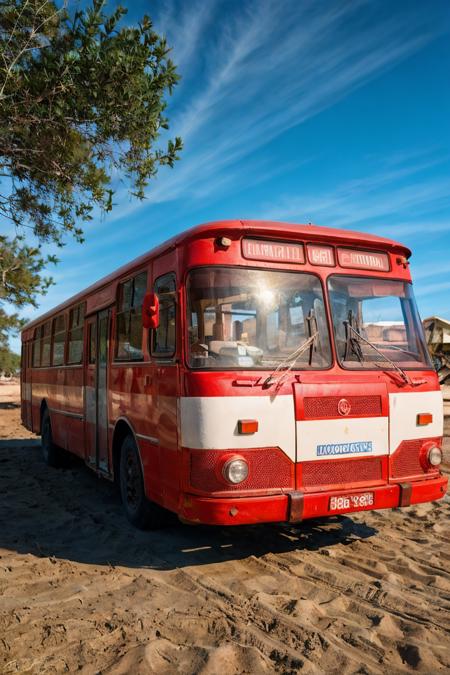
(235, 471)
(434, 456)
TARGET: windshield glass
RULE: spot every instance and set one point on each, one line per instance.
(384, 313)
(245, 318)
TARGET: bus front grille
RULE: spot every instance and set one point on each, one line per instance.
(319, 407)
(405, 461)
(341, 472)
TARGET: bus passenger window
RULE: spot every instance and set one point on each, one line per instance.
(76, 334)
(37, 347)
(46, 344)
(129, 319)
(92, 343)
(59, 339)
(164, 339)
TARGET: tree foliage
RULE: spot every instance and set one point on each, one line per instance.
(9, 361)
(82, 99)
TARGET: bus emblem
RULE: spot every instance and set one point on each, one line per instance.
(344, 407)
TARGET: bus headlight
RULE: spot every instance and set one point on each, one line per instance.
(434, 455)
(235, 470)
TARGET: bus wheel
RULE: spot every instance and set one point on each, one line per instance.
(139, 510)
(50, 451)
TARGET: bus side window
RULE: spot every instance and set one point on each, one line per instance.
(59, 340)
(129, 318)
(92, 343)
(37, 347)
(46, 343)
(164, 337)
(76, 321)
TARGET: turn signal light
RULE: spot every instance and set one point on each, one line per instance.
(423, 419)
(247, 426)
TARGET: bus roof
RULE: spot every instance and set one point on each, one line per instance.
(265, 228)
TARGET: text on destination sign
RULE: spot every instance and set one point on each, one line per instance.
(261, 249)
(364, 260)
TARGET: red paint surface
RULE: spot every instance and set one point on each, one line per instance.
(237, 511)
(405, 463)
(270, 470)
(145, 395)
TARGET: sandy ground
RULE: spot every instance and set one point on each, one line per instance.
(80, 590)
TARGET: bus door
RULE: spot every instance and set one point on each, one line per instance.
(164, 359)
(96, 398)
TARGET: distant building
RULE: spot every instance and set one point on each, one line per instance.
(437, 333)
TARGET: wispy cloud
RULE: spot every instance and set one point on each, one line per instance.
(250, 72)
(375, 201)
(432, 269)
(431, 289)
(267, 67)
(185, 24)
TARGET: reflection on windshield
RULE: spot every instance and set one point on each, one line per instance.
(384, 313)
(244, 318)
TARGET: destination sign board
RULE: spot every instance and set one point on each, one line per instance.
(321, 255)
(274, 251)
(363, 260)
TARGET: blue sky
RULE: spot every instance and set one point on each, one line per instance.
(332, 112)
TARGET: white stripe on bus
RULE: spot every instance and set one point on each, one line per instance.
(403, 410)
(313, 434)
(210, 422)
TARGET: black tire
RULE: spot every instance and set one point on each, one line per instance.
(50, 451)
(141, 512)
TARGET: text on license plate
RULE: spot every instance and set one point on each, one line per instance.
(351, 501)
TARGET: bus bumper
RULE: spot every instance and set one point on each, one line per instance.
(298, 506)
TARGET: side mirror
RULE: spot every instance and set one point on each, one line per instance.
(150, 311)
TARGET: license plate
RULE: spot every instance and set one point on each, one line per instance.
(344, 502)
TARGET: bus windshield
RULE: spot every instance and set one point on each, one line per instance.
(376, 318)
(250, 319)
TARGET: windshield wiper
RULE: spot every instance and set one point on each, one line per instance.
(348, 327)
(289, 362)
(351, 342)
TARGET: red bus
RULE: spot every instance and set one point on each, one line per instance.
(244, 372)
